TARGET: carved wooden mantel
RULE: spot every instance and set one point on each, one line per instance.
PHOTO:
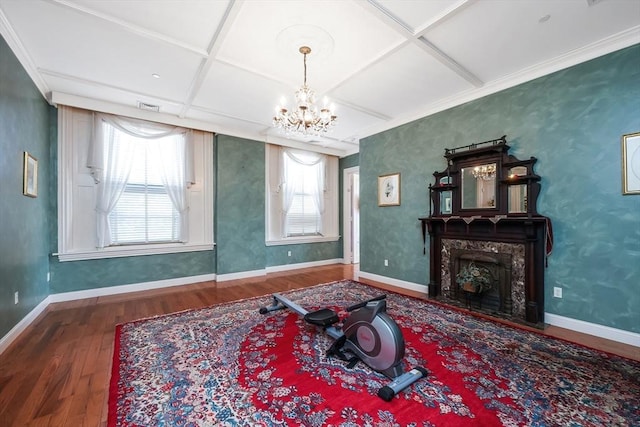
(508, 215)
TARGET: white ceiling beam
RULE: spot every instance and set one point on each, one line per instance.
(214, 45)
(420, 41)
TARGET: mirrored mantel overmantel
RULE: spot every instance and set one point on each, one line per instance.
(484, 179)
(487, 195)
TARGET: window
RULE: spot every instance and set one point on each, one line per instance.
(303, 185)
(129, 187)
(302, 202)
(144, 212)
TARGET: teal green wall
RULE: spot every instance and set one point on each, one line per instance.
(349, 162)
(24, 126)
(240, 205)
(277, 255)
(572, 121)
(99, 273)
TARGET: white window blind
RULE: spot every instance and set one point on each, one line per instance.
(145, 213)
(303, 218)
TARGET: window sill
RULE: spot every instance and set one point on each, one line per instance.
(128, 251)
(301, 240)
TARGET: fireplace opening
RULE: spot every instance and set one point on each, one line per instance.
(481, 280)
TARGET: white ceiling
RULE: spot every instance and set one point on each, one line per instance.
(224, 65)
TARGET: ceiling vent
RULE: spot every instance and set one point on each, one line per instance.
(148, 107)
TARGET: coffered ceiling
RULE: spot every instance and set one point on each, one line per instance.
(224, 65)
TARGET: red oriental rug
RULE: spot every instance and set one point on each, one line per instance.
(228, 365)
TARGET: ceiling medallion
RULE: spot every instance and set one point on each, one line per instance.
(305, 119)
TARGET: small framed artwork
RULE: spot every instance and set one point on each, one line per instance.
(389, 190)
(631, 163)
(30, 178)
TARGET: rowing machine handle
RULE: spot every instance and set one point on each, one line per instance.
(363, 303)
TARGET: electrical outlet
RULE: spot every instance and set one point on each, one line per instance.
(16, 298)
(48, 276)
(557, 292)
(386, 263)
(289, 253)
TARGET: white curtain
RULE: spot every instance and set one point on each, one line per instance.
(116, 159)
(109, 160)
(291, 171)
(172, 152)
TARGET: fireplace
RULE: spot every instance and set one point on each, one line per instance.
(513, 250)
(503, 263)
(483, 213)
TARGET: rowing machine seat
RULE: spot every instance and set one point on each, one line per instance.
(323, 317)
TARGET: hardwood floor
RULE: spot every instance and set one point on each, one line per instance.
(57, 373)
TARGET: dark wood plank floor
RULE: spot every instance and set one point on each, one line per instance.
(57, 373)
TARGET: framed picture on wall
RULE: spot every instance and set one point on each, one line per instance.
(631, 163)
(389, 190)
(30, 175)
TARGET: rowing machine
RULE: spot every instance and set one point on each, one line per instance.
(368, 333)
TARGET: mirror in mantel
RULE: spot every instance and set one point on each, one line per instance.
(445, 196)
(479, 187)
(517, 193)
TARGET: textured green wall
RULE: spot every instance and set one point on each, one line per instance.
(90, 274)
(24, 221)
(277, 255)
(240, 205)
(572, 121)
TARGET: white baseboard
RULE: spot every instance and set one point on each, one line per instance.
(136, 287)
(275, 269)
(417, 287)
(287, 267)
(241, 275)
(594, 329)
(26, 321)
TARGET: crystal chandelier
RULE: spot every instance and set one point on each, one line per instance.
(305, 120)
(484, 172)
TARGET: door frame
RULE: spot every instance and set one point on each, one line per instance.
(347, 212)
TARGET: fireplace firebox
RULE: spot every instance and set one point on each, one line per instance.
(487, 243)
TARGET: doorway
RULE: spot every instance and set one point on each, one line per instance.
(351, 215)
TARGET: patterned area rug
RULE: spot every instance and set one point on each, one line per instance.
(228, 365)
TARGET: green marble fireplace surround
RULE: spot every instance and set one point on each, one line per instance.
(571, 121)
